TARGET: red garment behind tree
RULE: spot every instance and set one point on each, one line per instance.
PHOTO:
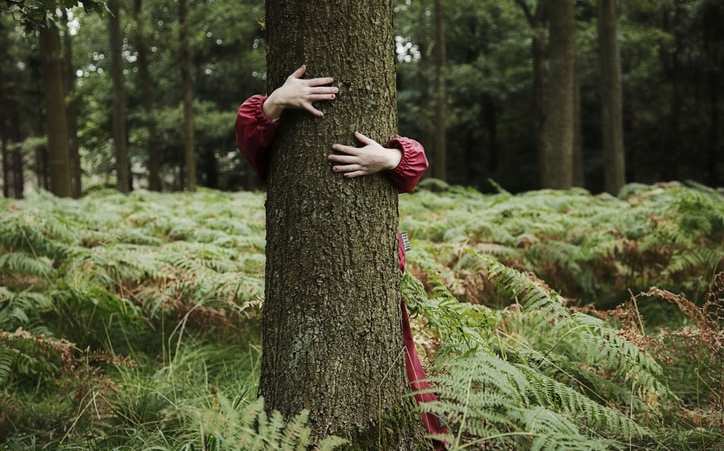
(254, 136)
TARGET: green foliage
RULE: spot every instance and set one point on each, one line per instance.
(135, 308)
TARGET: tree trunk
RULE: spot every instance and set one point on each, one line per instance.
(538, 46)
(57, 125)
(558, 132)
(440, 156)
(611, 98)
(578, 174)
(331, 322)
(188, 96)
(5, 160)
(71, 110)
(120, 144)
(144, 76)
(16, 155)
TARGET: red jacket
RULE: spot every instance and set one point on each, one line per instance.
(254, 136)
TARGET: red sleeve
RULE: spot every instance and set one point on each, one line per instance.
(412, 166)
(255, 133)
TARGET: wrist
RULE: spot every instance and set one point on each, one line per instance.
(395, 155)
(273, 107)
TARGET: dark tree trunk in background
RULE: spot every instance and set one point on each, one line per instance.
(558, 133)
(120, 144)
(5, 159)
(614, 157)
(42, 170)
(57, 124)
(144, 77)
(578, 174)
(539, 37)
(16, 155)
(71, 110)
(439, 166)
(185, 65)
(496, 155)
(331, 322)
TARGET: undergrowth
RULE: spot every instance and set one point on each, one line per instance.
(131, 322)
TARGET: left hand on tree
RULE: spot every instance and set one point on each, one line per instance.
(365, 160)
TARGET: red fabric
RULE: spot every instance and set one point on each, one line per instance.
(254, 136)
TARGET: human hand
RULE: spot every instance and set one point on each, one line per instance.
(364, 160)
(297, 92)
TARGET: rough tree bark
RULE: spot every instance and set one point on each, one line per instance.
(557, 158)
(611, 98)
(439, 166)
(57, 125)
(331, 321)
(71, 110)
(185, 65)
(144, 76)
(120, 145)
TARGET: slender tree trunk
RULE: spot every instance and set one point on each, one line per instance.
(578, 174)
(144, 76)
(16, 155)
(120, 144)
(611, 98)
(331, 321)
(439, 167)
(538, 46)
(71, 109)
(57, 124)
(185, 65)
(5, 159)
(559, 120)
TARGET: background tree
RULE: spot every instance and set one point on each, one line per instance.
(611, 97)
(71, 108)
(440, 149)
(331, 323)
(57, 123)
(188, 123)
(146, 89)
(120, 138)
(559, 126)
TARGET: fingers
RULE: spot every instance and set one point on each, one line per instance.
(343, 158)
(299, 72)
(363, 139)
(354, 174)
(324, 90)
(316, 97)
(347, 149)
(319, 81)
(346, 168)
(309, 107)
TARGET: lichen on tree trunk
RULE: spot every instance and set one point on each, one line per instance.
(331, 321)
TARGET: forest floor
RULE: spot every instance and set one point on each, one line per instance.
(550, 319)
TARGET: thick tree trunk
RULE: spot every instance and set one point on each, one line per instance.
(611, 98)
(120, 144)
(144, 76)
(559, 109)
(70, 106)
(185, 65)
(439, 166)
(331, 321)
(57, 125)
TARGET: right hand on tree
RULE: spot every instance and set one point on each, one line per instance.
(297, 92)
